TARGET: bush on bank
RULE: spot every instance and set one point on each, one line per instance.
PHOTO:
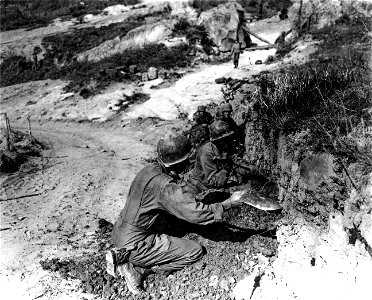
(37, 13)
(330, 97)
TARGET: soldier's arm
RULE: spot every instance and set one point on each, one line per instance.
(183, 205)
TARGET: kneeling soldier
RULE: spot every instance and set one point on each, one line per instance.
(139, 248)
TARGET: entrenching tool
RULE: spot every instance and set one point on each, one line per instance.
(252, 198)
(249, 197)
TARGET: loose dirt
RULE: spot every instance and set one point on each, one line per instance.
(51, 207)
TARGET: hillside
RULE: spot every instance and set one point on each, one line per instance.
(85, 116)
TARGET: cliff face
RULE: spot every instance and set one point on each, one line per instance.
(222, 24)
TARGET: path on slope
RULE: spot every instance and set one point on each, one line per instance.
(51, 206)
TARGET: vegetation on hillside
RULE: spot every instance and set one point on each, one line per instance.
(331, 96)
(259, 8)
(184, 28)
(37, 13)
(59, 60)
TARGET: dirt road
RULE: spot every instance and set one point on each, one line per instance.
(51, 206)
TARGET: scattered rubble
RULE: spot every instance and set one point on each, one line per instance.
(230, 253)
(21, 147)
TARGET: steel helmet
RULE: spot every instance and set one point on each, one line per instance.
(173, 149)
(219, 130)
(201, 108)
(226, 107)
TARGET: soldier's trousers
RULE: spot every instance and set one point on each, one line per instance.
(236, 59)
(165, 254)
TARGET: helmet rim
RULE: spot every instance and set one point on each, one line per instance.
(169, 164)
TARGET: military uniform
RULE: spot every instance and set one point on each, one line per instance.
(235, 51)
(152, 192)
(209, 170)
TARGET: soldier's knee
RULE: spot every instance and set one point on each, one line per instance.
(196, 253)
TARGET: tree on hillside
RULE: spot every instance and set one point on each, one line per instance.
(305, 13)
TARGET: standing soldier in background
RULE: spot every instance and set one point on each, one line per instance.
(235, 52)
(141, 249)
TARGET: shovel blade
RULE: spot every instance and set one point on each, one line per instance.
(260, 202)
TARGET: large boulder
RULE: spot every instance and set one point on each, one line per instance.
(222, 23)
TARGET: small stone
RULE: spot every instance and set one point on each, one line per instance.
(231, 279)
(133, 69)
(145, 77)
(152, 73)
(204, 57)
(194, 295)
(213, 281)
(224, 284)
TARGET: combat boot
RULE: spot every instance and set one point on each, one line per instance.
(114, 258)
(132, 278)
(119, 266)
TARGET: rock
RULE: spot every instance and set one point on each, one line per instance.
(194, 295)
(222, 22)
(163, 74)
(258, 62)
(152, 73)
(52, 226)
(204, 57)
(213, 281)
(145, 77)
(133, 69)
(270, 59)
(231, 280)
(220, 80)
(315, 169)
(224, 284)
(212, 58)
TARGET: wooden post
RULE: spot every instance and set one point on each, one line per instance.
(29, 125)
(255, 35)
(4, 133)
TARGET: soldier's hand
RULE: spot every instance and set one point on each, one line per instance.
(234, 200)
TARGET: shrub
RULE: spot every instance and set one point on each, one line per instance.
(328, 99)
(181, 27)
(37, 13)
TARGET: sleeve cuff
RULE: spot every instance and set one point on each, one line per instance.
(217, 210)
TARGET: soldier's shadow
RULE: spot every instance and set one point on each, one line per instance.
(223, 231)
(173, 226)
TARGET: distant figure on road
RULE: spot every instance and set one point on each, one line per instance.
(235, 52)
(280, 40)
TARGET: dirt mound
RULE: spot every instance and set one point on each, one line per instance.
(21, 147)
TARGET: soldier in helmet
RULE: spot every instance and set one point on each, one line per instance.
(210, 169)
(139, 248)
(224, 114)
(235, 53)
(201, 116)
(199, 132)
(216, 162)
